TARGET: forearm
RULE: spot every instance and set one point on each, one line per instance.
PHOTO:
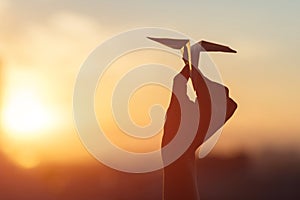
(180, 181)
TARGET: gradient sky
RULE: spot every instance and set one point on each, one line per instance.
(40, 38)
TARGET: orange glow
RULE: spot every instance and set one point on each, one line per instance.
(25, 115)
(26, 159)
(34, 129)
(40, 62)
(140, 102)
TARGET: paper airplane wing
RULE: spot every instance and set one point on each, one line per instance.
(172, 43)
(182, 44)
(209, 46)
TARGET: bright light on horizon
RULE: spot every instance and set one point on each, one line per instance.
(24, 115)
(25, 119)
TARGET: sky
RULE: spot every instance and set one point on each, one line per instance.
(44, 43)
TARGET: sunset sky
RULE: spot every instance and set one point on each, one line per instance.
(44, 43)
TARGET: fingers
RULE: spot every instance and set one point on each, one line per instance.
(195, 76)
(198, 81)
(185, 71)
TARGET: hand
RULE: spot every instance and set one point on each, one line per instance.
(173, 118)
(185, 71)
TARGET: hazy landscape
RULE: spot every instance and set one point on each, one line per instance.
(238, 177)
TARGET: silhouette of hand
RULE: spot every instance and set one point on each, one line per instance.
(185, 72)
(179, 103)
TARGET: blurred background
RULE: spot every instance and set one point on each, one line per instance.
(44, 43)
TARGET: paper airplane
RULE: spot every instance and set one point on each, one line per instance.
(222, 106)
(192, 53)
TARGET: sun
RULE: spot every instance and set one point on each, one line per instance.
(24, 115)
